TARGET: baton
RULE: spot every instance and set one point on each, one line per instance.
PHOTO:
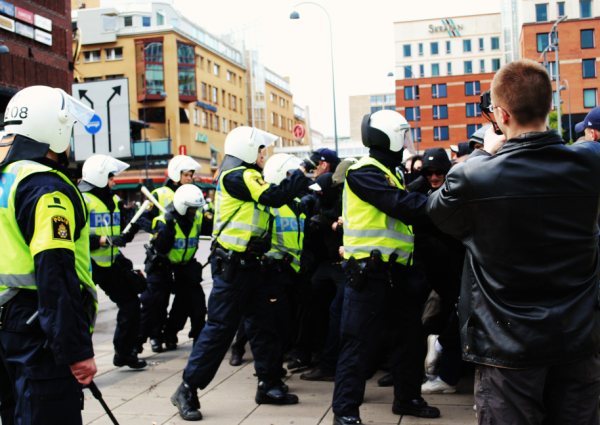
(98, 396)
(137, 215)
(152, 199)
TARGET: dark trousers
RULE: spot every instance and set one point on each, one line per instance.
(331, 350)
(239, 345)
(155, 301)
(45, 393)
(565, 394)
(247, 294)
(363, 316)
(114, 283)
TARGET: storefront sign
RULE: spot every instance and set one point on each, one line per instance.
(447, 25)
(7, 24)
(24, 30)
(7, 8)
(43, 23)
(43, 37)
(24, 15)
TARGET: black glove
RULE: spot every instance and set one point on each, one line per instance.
(170, 220)
(117, 241)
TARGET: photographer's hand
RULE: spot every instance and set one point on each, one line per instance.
(492, 142)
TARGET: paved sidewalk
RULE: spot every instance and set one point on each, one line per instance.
(142, 397)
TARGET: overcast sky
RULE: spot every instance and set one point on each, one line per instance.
(363, 43)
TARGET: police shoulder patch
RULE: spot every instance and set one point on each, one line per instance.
(60, 228)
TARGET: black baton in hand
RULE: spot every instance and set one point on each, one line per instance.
(98, 396)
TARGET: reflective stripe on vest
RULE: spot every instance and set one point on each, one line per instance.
(184, 247)
(103, 223)
(248, 220)
(16, 261)
(288, 235)
(367, 228)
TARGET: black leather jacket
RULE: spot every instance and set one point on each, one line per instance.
(528, 217)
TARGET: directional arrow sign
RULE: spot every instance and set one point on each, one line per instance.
(116, 91)
(95, 125)
(82, 95)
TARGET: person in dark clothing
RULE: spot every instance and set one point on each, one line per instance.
(242, 237)
(48, 300)
(110, 269)
(526, 208)
(378, 249)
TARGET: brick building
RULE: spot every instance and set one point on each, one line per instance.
(38, 37)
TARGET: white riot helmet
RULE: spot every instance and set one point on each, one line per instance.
(278, 165)
(179, 164)
(243, 143)
(97, 168)
(186, 196)
(46, 115)
(388, 130)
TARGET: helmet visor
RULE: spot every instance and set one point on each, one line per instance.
(77, 110)
(408, 140)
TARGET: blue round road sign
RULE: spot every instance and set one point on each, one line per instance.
(95, 125)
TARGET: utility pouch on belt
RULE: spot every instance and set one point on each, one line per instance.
(225, 264)
(154, 261)
(356, 274)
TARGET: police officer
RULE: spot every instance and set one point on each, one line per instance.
(175, 237)
(110, 269)
(378, 248)
(242, 237)
(155, 299)
(47, 296)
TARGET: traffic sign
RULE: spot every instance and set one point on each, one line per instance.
(95, 125)
(299, 131)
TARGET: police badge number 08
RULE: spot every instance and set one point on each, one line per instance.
(60, 228)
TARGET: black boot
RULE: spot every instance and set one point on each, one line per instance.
(170, 343)
(318, 374)
(346, 420)
(130, 360)
(386, 380)
(416, 407)
(236, 358)
(186, 401)
(156, 345)
(274, 394)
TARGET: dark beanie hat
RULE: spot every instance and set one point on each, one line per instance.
(437, 159)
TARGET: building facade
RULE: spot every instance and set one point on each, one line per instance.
(35, 46)
(575, 76)
(186, 87)
(361, 105)
(442, 67)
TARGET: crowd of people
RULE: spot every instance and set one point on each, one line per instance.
(329, 268)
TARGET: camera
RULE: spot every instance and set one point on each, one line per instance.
(484, 106)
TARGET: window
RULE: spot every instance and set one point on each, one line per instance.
(472, 128)
(409, 113)
(215, 126)
(468, 65)
(473, 110)
(145, 21)
(495, 65)
(481, 65)
(186, 69)
(273, 97)
(127, 21)
(113, 54)
(590, 99)
(229, 75)
(376, 108)
(91, 56)
(449, 68)
(587, 39)
(421, 70)
(588, 68)
(560, 8)
(585, 8)
(434, 47)
(420, 49)
(435, 69)
(411, 92)
(224, 127)
(216, 69)
(160, 18)
(495, 41)
(481, 44)
(406, 50)
(273, 118)
(542, 41)
(541, 12)
(439, 91)
(416, 134)
(233, 103)
(377, 98)
(466, 46)
(215, 95)
(408, 71)
(204, 119)
(448, 47)
(472, 88)
(152, 115)
(440, 133)
(440, 112)
(149, 58)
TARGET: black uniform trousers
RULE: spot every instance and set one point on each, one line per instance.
(49, 394)
(114, 281)
(363, 315)
(238, 291)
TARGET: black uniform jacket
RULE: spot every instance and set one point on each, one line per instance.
(528, 217)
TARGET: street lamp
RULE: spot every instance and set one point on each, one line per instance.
(416, 113)
(565, 86)
(296, 15)
(553, 45)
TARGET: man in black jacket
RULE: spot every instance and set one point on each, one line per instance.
(526, 207)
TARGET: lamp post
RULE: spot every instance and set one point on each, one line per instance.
(553, 45)
(416, 112)
(565, 86)
(296, 15)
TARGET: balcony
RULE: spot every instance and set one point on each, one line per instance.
(153, 148)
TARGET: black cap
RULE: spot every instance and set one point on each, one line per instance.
(436, 159)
